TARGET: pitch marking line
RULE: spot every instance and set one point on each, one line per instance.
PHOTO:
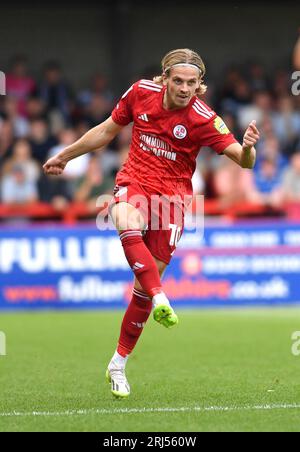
(196, 409)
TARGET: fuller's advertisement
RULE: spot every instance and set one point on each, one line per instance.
(84, 268)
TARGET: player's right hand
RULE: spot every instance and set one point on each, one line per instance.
(54, 166)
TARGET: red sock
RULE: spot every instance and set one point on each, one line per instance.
(134, 321)
(141, 261)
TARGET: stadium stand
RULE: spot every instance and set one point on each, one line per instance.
(38, 117)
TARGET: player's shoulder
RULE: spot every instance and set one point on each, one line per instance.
(145, 87)
(142, 91)
(201, 112)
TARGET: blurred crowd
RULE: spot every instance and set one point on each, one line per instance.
(39, 117)
(250, 93)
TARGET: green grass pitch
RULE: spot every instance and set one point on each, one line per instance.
(221, 370)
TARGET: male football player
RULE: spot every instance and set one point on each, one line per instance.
(170, 124)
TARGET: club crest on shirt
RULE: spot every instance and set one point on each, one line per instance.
(179, 132)
(220, 126)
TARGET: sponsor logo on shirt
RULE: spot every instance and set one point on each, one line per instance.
(157, 146)
(220, 126)
(179, 132)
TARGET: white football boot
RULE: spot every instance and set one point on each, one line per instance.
(119, 385)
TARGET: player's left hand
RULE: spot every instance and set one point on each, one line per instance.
(251, 136)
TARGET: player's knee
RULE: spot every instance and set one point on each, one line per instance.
(161, 266)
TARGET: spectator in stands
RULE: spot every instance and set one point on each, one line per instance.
(16, 189)
(230, 183)
(19, 176)
(267, 129)
(238, 97)
(260, 108)
(75, 169)
(22, 156)
(55, 92)
(291, 180)
(41, 140)
(97, 110)
(226, 91)
(98, 87)
(81, 127)
(286, 121)
(258, 79)
(93, 184)
(269, 148)
(10, 112)
(281, 83)
(19, 84)
(35, 108)
(266, 185)
(54, 191)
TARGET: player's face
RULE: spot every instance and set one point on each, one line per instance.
(182, 84)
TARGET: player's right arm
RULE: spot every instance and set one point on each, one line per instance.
(95, 139)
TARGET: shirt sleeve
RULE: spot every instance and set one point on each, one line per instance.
(122, 114)
(216, 135)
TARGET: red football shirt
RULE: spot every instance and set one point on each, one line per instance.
(165, 143)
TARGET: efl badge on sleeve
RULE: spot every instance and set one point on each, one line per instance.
(220, 126)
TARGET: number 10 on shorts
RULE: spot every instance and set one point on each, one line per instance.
(175, 234)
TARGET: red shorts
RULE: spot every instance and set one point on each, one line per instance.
(164, 218)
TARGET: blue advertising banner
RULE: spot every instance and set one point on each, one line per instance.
(82, 267)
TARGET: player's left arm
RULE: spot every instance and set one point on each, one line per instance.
(244, 154)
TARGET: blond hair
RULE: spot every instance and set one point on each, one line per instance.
(184, 56)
